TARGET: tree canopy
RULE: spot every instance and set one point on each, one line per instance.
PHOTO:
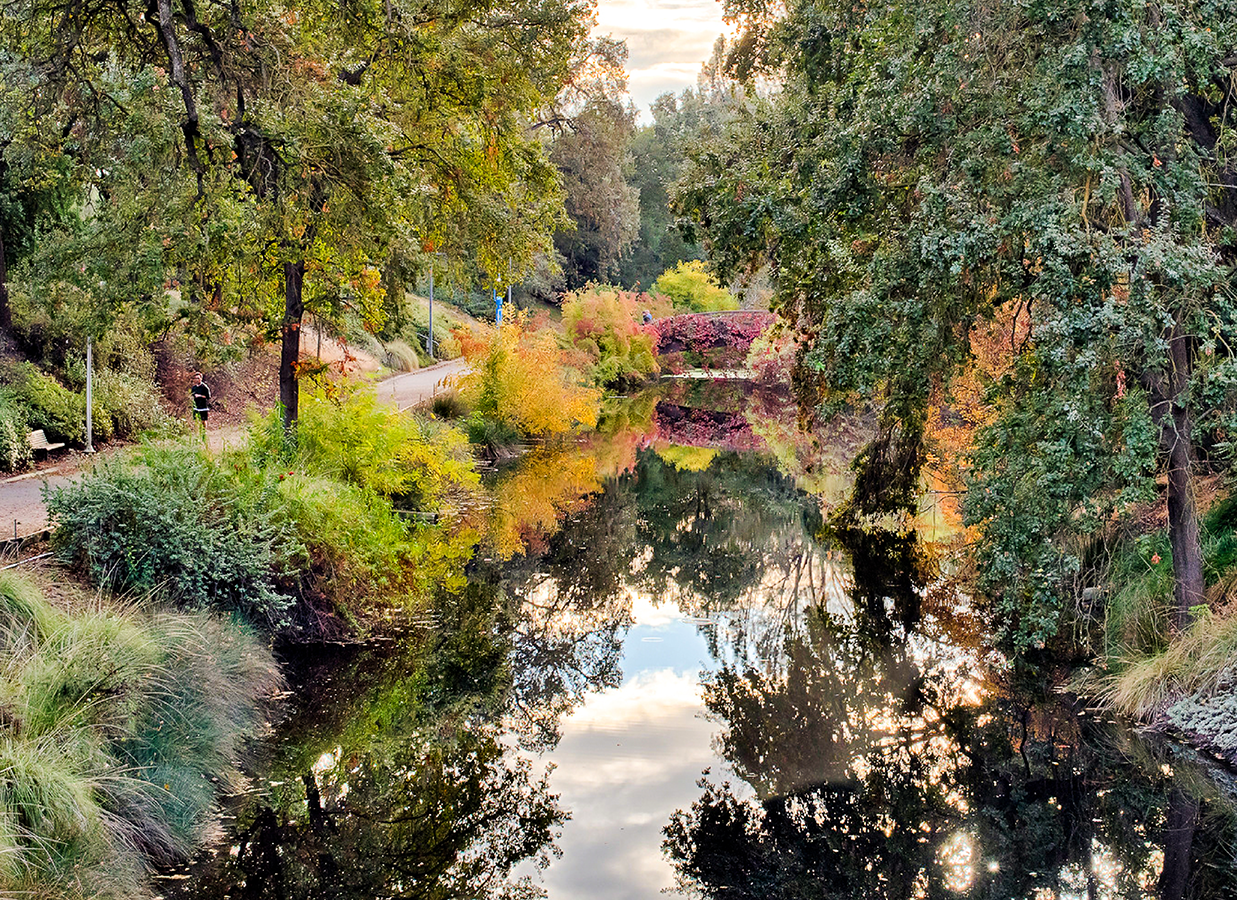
(245, 161)
(1063, 168)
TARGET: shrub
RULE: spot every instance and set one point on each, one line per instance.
(352, 437)
(118, 730)
(15, 452)
(130, 403)
(606, 323)
(178, 523)
(690, 288)
(49, 406)
(517, 378)
(448, 405)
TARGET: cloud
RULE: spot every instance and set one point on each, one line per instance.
(667, 41)
(628, 759)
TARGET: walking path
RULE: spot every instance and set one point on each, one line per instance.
(21, 496)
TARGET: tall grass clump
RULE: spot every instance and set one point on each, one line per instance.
(400, 357)
(114, 729)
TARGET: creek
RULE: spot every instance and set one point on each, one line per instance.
(667, 673)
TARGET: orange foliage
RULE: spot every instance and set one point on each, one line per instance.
(957, 410)
(517, 376)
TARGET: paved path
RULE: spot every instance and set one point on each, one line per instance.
(414, 388)
(21, 497)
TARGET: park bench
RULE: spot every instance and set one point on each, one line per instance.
(38, 441)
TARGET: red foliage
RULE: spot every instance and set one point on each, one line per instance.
(699, 332)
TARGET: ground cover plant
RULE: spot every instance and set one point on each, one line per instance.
(116, 728)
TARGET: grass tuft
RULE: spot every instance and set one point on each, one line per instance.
(1201, 661)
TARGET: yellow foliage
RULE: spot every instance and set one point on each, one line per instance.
(528, 504)
(686, 459)
(516, 376)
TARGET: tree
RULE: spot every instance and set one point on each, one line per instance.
(265, 158)
(696, 117)
(928, 166)
(593, 156)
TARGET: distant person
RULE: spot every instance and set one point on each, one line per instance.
(199, 395)
(648, 317)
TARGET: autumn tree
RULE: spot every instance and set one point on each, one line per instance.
(270, 158)
(927, 165)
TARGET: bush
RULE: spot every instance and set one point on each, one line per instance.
(129, 403)
(350, 436)
(49, 406)
(286, 537)
(607, 324)
(448, 405)
(517, 378)
(691, 289)
(15, 452)
(118, 728)
(177, 523)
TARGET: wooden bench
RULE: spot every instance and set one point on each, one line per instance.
(38, 441)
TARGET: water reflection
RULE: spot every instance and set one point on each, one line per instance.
(855, 739)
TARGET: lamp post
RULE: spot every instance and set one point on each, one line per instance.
(89, 396)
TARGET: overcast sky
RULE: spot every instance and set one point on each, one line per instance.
(667, 41)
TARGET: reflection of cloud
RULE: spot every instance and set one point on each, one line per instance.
(667, 41)
(628, 759)
(645, 612)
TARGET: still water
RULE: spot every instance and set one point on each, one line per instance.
(667, 675)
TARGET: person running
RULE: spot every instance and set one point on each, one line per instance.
(199, 395)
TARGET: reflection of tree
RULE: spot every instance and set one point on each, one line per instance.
(712, 534)
(433, 821)
(392, 780)
(874, 775)
(570, 611)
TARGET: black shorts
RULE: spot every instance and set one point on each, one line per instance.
(201, 414)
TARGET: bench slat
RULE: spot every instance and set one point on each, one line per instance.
(38, 441)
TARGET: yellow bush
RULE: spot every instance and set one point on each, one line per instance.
(516, 376)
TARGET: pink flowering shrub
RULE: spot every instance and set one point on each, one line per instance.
(702, 332)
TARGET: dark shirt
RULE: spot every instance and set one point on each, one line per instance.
(201, 397)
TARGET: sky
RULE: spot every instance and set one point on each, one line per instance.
(667, 40)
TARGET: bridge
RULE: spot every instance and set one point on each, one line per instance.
(701, 333)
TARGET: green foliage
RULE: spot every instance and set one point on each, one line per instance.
(48, 405)
(178, 522)
(592, 156)
(1048, 476)
(354, 438)
(691, 289)
(117, 731)
(927, 168)
(15, 452)
(288, 537)
(607, 324)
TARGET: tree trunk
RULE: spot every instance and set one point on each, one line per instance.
(1172, 417)
(6, 314)
(290, 351)
(1182, 512)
